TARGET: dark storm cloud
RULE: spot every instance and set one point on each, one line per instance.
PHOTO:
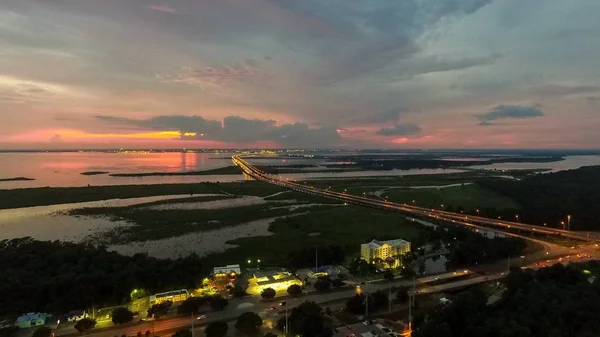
(400, 130)
(234, 129)
(509, 112)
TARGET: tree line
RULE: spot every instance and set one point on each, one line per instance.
(57, 277)
(553, 301)
(550, 198)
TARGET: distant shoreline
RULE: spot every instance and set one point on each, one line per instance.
(93, 173)
(16, 179)
(217, 171)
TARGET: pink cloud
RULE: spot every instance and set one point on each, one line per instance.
(163, 8)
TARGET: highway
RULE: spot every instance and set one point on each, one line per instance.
(237, 307)
(505, 226)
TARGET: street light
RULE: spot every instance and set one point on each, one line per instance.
(517, 217)
(563, 225)
(568, 222)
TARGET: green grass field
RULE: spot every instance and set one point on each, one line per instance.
(346, 226)
(468, 197)
(149, 224)
(60, 195)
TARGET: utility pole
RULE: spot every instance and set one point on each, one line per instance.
(366, 300)
(286, 316)
(192, 318)
(390, 297)
(411, 301)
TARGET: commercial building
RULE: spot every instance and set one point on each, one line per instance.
(31, 319)
(387, 251)
(279, 281)
(173, 296)
(76, 315)
(229, 270)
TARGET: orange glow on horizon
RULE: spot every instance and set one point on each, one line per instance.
(40, 136)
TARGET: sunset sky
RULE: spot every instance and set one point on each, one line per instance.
(299, 73)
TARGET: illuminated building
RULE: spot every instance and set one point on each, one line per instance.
(322, 271)
(387, 251)
(173, 296)
(229, 270)
(31, 319)
(279, 281)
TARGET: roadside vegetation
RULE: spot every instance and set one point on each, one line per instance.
(553, 301)
(550, 198)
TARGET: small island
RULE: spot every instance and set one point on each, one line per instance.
(217, 171)
(16, 179)
(93, 173)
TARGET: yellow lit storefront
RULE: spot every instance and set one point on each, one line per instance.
(279, 281)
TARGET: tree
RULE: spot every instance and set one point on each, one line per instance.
(218, 303)
(323, 284)
(160, 309)
(85, 325)
(380, 299)
(191, 305)
(182, 333)
(356, 304)
(238, 291)
(402, 295)
(9, 331)
(358, 266)
(121, 315)
(388, 275)
(137, 294)
(306, 320)
(294, 290)
(42, 331)
(337, 283)
(408, 271)
(249, 323)
(268, 293)
(107, 278)
(217, 329)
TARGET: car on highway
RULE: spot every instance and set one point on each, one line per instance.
(201, 317)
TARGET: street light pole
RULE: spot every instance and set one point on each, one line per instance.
(192, 318)
(568, 222)
(366, 300)
(390, 297)
(286, 316)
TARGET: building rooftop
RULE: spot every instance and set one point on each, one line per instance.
(377, 244)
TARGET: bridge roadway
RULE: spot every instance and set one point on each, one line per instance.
(410, 209)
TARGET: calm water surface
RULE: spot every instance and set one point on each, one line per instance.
(64, 169)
